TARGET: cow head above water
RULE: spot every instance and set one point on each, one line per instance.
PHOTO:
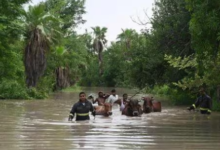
(133, 108)
(150, 105)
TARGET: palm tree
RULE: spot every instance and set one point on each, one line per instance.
(99, 43)
(125, 39)
(40, 32)
(126, 36)
(62, 71)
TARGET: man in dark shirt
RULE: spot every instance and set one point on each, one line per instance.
(81, 108)
(204, 102)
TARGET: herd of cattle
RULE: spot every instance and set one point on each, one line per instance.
(132, 108)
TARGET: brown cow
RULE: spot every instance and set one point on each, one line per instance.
(105, 109)
(150, 105)
(132, 108)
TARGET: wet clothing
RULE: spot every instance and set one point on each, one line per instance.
(205, 104)
(81, 109)
(123, 103)
(112, 98)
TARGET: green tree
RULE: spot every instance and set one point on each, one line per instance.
(69, 11)
(63, 56)
(69, 62)
(10, 31)
(89, 76)
(114, 63)
(169, 35)
(12, 69)
(41, 31)
(126, 36)
(205, 30)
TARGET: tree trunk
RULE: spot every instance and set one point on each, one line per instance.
(34, 58)
(100, 64)
(99, 48)
(62, 78)
(218, 93)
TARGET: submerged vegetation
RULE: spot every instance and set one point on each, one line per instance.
(41, 52)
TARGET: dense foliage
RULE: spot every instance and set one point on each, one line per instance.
(40, 50)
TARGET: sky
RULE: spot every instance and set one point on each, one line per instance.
(115, 15)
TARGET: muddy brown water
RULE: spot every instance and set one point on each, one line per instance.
(43, 125)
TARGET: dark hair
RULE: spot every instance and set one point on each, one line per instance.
(100, 92)
(113, 90)
(125, 94)
(82, 93)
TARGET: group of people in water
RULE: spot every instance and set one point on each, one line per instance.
(82, 108)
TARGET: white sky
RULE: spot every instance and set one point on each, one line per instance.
(114, 14)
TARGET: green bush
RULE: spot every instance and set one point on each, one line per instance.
(35, 94)
(179, 97)
(74, 88)
(215, 105)
(175, 96)
(161, 90)
(10, 89)
(46, 84)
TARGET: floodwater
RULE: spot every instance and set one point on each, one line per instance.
(43, 125)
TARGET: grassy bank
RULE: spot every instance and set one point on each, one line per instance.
(74, 88)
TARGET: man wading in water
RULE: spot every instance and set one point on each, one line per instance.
(113, 97)
(81, 109)
(203, 101)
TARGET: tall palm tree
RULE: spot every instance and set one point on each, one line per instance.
(41, 31)
(126, 37)
(99, 43)
(62, 71)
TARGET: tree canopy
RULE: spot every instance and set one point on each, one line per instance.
(41, 51)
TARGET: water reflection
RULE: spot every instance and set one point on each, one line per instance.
(43, 124)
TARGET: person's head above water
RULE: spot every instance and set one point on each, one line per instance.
(113, 91)
(202, 91)
(100, 94)
(82, 96)
(125, 96)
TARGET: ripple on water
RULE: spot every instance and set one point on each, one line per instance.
(34, 125)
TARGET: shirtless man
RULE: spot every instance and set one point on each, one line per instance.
(101, 99)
